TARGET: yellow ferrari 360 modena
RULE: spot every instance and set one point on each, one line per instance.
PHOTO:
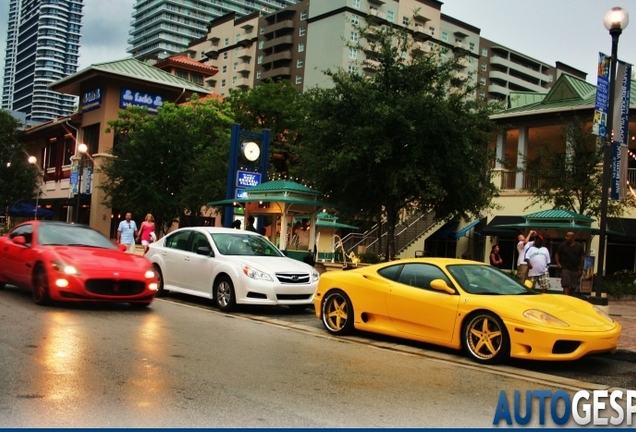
(464, 305)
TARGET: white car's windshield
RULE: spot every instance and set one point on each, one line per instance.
(486, 280)
(244, 244)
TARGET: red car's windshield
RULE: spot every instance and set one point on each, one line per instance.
(72, 235)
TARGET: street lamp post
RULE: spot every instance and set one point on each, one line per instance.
(615, 21)
(33, 161)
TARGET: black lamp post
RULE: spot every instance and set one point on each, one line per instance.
(615, 21)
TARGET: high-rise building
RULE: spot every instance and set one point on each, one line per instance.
(161, 28)
(43, 41)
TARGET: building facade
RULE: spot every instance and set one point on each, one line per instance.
(43, 41)
(161, 28)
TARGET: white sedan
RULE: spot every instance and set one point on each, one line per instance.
(231, 267)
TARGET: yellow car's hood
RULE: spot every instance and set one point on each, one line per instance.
(579, 314)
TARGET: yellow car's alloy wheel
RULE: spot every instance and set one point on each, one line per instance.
(337, 313)
(486, 339)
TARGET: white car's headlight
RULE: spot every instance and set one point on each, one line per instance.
(602, 313)
(149, 274)
(544, 318)
(314, 275)
(66, 269)
(256, 274)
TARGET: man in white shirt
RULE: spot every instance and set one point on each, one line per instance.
(126, 233)
(539, 258)
(524, 242)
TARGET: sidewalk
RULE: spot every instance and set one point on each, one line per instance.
(624, 312)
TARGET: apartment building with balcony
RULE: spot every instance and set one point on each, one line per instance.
(43, 40)
(161, 28)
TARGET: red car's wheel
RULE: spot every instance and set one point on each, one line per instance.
(486, 338)
(40, 286)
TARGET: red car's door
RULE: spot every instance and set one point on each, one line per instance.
(18, 259)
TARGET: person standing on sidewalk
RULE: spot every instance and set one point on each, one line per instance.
(538, 258)
(146, 229)
(569, 259)
(126, 233)
(523, 243)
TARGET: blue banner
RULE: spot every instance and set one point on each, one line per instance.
(247, 179)
(620, 137)
(599, 126)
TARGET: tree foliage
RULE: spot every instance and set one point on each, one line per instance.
(571, 180)
(18, 178)
(274, 106)
(170, 164)
(409, 136)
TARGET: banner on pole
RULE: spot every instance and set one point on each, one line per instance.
(620, 136)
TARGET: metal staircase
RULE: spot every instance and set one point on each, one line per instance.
(406, 232)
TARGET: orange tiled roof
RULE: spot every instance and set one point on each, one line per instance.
(181, 60)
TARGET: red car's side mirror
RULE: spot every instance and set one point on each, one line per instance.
(122, 247)
(19, 240)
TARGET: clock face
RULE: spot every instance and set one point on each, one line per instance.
(251, 151)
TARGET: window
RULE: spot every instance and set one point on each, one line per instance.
(226, 41)
(482, 81)
(236, 50)
(299, 63)
(484, 52)
(390, 16)
(235, 66)
(355, 19)
(471, 46)
(259, 59)
(182, 74)
(301, 47)
(484, 67)
(302, 31)
(421, 276)
(199, 240)
(225, 55)
(482, 95)
(303, 15)
(262, 30)
(261, 44)
(178, 240)
(91, 138)
(258, 74)
(69, 150)
(238, 38)
(352, 69)
(405, 20)
(445, 36)
(431, 30)
(353, 53)
(299, 79)
(224, 69)
(353, 37)
(356, 3)
(222, 83)
(233, 80)
(196, 78)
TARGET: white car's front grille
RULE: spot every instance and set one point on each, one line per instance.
(293, 278)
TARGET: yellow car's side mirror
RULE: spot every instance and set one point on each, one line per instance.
(440, 285)
(528, 283)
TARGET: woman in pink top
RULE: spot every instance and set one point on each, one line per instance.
(147, 227)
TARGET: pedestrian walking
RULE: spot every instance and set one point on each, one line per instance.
(127, 232)
(146, 230)
(538, 258)
(250, 224)
(523, 243)
(569, 259)
(495, 258)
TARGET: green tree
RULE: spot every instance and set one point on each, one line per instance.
(571, 179)
(18, 178)
(170, 164)
(409, 136)
(274, 106)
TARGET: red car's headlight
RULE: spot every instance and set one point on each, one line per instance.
(149, 274)
(66, 269)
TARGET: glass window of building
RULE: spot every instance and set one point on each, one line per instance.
(299, 63)
(258, 74)
(355, 19)
(301, 47)
(471, 46)
(353, 53)
(405, 20)
(390, 16)
(445, 36)
(303, 15)
(353, 37)
(352, 69)
(299, 79)
(302, 31)
(222, 83)
(224, 69)
(226, 41)
(259, 60)
(484, 67)
(484, 52)
(261, 44)
(431, 30)
(356, 3)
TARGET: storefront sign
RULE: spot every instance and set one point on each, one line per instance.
(92, 100)
(247, 179)
(136, 98)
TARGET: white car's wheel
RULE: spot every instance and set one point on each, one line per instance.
(161, 291)
(224, 297)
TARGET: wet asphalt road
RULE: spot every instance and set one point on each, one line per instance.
(618, 370)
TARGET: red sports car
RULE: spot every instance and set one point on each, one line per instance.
(68, 262)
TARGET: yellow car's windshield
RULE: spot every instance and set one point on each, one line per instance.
(485, 280)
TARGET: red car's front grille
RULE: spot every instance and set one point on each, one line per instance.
(115, 287)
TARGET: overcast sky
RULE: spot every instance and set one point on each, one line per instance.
(569, 31)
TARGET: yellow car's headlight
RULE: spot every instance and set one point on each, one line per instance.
(544, 318)
(66, 269)
(602, 313)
